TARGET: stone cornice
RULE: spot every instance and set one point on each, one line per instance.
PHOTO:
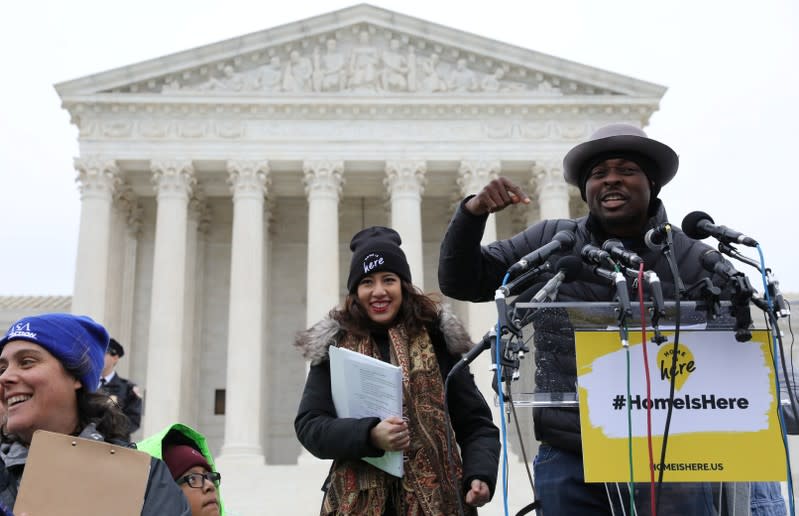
(190, 119)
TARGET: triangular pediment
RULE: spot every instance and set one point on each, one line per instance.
(359, 51)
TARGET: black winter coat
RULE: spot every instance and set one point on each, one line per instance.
(469, 272)
(126, 395)
(329, 437)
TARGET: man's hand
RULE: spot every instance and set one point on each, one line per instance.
(479, 494)
(496, 196)
(391, 434)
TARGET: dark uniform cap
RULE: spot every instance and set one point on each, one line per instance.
(115, 348)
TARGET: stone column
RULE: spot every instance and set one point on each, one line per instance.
(196, 225)
(131, 213)
(97, 178)
(405, 183)
(323, 184)
(551, 189)
(472, 177)
(244, 398)
(174, 181)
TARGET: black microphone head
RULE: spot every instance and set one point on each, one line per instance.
(570, 266)
(566, 239)
(691, 223)
(593, 254)
(611, 243)
(655, 239)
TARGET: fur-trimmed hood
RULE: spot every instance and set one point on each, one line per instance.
(314, 342)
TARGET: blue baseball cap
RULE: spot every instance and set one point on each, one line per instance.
(76, 341)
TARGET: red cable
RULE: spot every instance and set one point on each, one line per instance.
(648, 389)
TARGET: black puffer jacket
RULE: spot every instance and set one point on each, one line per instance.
(329, 437)
(469, 272)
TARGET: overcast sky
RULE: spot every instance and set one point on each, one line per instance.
(730, 111)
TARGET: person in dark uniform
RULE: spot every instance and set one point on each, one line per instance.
(125, 393)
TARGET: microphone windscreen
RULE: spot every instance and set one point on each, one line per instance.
(690, 225)
(571, 267)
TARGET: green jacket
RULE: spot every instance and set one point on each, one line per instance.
(153, 446)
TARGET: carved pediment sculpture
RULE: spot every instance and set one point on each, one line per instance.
(359, 50)
(365, 60)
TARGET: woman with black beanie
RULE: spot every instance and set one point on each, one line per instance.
(384, 316)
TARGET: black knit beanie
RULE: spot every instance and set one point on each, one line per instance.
(374, 249)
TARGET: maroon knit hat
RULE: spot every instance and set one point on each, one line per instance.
(180, 458)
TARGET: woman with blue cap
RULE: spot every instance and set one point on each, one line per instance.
(50, 367)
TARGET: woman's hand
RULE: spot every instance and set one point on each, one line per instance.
(391, 434)
(479, 494)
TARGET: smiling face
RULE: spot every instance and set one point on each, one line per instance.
(380, 294)
(36, 391)
(617, 192)
(202, 500)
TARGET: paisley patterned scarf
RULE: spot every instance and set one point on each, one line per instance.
(427, 489)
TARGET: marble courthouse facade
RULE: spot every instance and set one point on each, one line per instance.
(220, 187)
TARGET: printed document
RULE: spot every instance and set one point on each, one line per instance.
(364, 386)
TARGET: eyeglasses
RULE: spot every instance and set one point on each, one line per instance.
(198, 479)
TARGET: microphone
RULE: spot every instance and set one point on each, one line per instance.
(569, 268)
(562, 241)
(699, 225)
(524, 280)
(591, 254)
(622, 294)
(712, 261)
(618, 251)
(484, 344)
(657, 237)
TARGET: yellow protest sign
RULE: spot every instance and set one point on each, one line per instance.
(724, 422)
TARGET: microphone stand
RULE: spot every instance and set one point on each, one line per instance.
(781, 309)
(512, 349)
(710, 294)
(657, 310)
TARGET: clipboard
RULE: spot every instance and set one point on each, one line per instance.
(70, 476)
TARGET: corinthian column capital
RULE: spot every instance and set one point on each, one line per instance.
(323, 178)
(248, 178)
(547, 174)
(128, 204)
(473, 175)
(173, 178)
(98, 176)
(405, 177)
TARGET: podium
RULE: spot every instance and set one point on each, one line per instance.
(723, 417)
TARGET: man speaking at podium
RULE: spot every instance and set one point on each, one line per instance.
(619, 172)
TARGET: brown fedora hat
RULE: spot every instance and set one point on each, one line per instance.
(622, 139)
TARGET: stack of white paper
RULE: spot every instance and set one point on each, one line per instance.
(364, 386)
